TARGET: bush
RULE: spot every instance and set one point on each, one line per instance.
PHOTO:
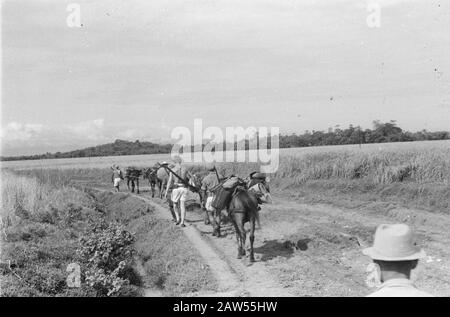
(106, 255)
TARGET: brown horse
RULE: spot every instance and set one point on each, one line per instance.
(150, 174)
(196, 182)
(244, 208)
(132, 176)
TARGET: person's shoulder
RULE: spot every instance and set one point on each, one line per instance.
(399, 292)
(423, 294)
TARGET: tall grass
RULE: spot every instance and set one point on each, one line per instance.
(387, 163)
(412, 175)
(377, 167)
(25, 197)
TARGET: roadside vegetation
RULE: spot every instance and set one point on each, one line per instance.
(47, 224)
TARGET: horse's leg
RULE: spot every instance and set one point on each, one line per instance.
(158, 184)
(219, 217)
(207, 219)
(238, 237)
(252, 238)
(214, 222)
(152, 187)
(137, 185)
(205, 207)
(128, 183)
(242, 233)
(225, 219)
(163, 188)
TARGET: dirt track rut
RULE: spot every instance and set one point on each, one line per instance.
(234, 277)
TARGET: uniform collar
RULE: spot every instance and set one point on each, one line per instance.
(397, 282)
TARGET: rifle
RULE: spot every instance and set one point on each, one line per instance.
(192, 188)
(217, 174)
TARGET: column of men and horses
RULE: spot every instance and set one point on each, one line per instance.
(239, 197)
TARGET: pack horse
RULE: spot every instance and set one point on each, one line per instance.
(242, 204)
(132, 175)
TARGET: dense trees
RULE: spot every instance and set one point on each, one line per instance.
(381, 132)
(119, 147)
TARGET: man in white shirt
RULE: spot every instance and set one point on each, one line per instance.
(116, 176)
(395, 255)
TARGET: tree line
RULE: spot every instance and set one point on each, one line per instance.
(118, 147)
(381, 132)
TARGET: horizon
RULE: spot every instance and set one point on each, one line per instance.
(237, 140)
(139, 70)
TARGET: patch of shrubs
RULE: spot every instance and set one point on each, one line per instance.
(106, 255)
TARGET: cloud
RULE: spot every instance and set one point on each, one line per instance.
(131, 134)
(15, 131)
(91, 130)
(31, 138)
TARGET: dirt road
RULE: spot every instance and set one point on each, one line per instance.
(313, 250)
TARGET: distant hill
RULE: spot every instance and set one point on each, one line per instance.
(381, 133)
(119, 147)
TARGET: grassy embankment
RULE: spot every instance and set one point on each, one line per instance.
(48, 224)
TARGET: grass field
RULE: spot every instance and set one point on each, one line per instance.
(381, 163)
(412, 173)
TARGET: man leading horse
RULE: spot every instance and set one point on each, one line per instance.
(210, 182)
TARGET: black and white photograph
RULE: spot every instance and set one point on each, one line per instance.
(225, 155)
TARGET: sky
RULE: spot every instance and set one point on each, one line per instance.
(137, 69)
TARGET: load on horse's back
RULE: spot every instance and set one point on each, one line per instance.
(258, 184)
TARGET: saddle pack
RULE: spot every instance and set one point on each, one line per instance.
(133, 172)
(223, 192)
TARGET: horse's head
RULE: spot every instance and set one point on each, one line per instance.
(146, 172)
(196, 180)
(262, 190)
